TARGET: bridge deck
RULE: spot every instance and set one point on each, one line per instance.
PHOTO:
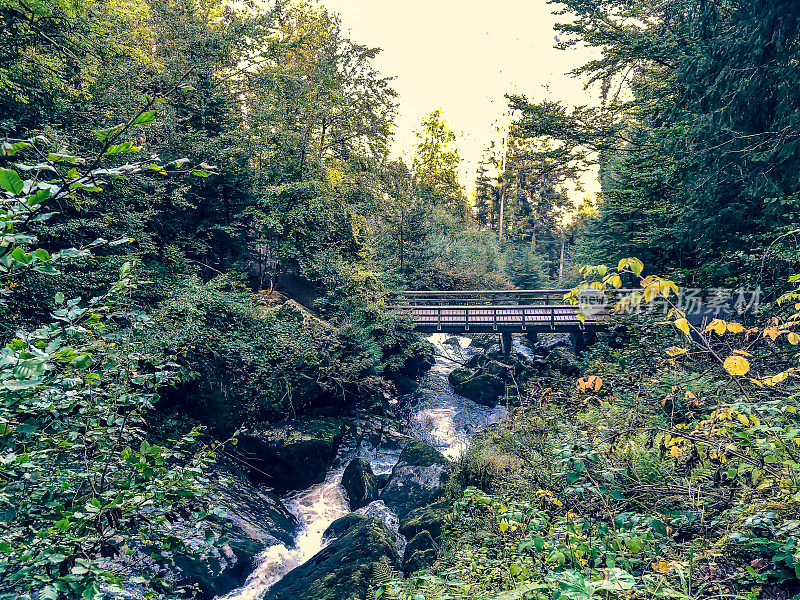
(501, 318)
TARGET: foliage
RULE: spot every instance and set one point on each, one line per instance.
(695, 135)
(81, 485)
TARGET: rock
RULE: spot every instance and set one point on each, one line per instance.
(563, 359)
(459, 376)
(556, 340)
(382, 480)
(254, 520)
(343, 570)
(420, 553)
(559, 350)
(485, 389)
(359, 483)
(419, 364)
(292, 455)
(404, 384)
(342, 525)
(417, 479)
(477, 360)
(429, 518)
(379, 510)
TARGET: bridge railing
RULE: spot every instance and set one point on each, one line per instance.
(550, 297)
(489, 297)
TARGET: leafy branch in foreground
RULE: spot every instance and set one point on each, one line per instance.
(87, 503)
(32, 191)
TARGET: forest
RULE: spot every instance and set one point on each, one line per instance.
(207, 389)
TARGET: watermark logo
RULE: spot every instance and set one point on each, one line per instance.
(711, 302)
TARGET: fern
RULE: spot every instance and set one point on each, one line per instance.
(385, 580)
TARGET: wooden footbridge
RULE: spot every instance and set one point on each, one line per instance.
(502, 311)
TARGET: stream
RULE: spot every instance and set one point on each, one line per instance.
(434, 414)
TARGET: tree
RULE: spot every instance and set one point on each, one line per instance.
(435, 168)
(697, 158)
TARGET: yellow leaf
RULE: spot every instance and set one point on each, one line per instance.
(772, 332)
(735, 328)
(793, 338)
(675, 451)
(743, 419)
(615, 281)
(683, 325)
(717, 326)
(736, 365)
(661, 566)
(598, 383)
(675, 351)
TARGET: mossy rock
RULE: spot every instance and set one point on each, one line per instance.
(485, 389)
(254, 520)
(382, 479)
(420, 454)
(420, 553)
(429, 518)
(459, 376)
(342, 525)
(359, 483)
(343, 570)
(291, 455)
(417, 479)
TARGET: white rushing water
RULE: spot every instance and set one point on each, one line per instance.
(435, 414)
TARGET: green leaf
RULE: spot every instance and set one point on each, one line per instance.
(121, 148)
(39, 197)
(62, 525)
(10, 181)
(103, 134)
(19, 255)
(49, 593)
(82, 362)
(42, 254)
(144, 118)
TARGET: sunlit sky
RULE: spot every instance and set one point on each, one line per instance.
(462, 56)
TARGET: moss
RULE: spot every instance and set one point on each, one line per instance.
(420, 454)
(359, 483)
(341, 570)
(429, 518)
(420, 553)
(459, 376)
(343, 524)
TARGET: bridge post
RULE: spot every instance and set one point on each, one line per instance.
(505, 342)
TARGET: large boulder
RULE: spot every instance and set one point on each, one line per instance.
(291, 455)
(342, 525)
(343, 570)
(559, 350)
(359, 483)
(429, 518)
(420, 553)
(417, 479)
(485, 389)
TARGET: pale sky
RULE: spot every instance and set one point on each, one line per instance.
(462, 56)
